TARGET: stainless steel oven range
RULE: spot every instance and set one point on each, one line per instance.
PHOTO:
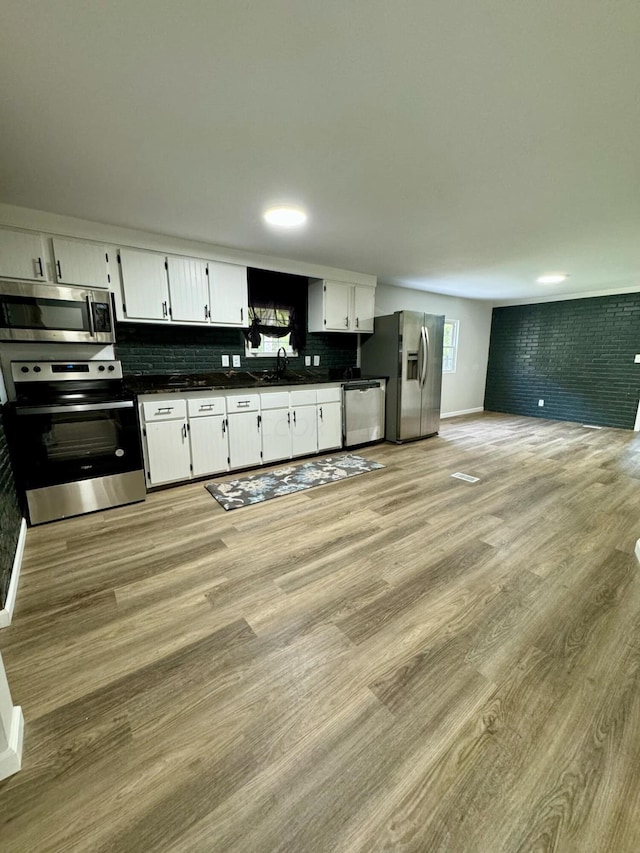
(74, 438)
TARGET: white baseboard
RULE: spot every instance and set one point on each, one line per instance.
(11, 758)
(6, 614)
(461, 412)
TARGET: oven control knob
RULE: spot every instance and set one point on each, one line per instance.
(101, 368)
(24, 369)
(37, 368)
(111, 367)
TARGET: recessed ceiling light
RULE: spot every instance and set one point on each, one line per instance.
(552, 278)
(285, 217)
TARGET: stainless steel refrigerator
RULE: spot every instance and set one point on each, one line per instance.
(407, 348)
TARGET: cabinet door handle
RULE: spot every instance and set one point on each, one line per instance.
(357, 322)
(224, 429)
(294, 417)
(164, 309)
(321, 418)
(259, 421)
(206, 312)
(40, 270)
(59, 268)
(346, 322)
(289, 418)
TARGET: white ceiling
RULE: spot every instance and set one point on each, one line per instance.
(458, 146)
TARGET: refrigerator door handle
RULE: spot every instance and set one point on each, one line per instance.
(420, 357)
(427, 355)
(424, 346)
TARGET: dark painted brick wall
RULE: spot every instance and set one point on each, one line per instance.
(576, 355)
(10, 517)
(166, 349)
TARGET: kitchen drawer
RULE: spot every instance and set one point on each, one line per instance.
(274, 400)
(330, 395)
(243, 403)
(201, 406)
(303, 397)
(168, 409)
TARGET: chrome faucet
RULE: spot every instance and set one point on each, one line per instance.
(281, 362)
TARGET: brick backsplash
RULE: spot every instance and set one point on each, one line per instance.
(576, 355)
(10, 517)
(146, 348)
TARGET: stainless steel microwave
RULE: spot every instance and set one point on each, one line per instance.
(47, 312)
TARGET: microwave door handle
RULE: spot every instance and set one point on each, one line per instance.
(92, 330)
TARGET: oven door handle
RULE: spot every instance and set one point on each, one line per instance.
(76, 407)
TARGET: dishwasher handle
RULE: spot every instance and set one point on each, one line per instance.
(361, 386)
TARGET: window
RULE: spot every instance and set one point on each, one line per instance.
(269, 344)
(450, 346)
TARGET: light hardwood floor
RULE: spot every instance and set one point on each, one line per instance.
(400, 661)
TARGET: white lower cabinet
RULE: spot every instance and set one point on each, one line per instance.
(304, 422)
(244, 439)
(329, 418)
(200, 435)
(276, 426)
(168, 452)
(329, 426)
(244, 429)
(209, 445)
(208, 435)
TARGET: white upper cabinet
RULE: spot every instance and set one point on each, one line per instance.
(337, 306)
(228, 294)
(145, 289)
(22, 255)
(189, 290)
(76, 262)
(363, 308)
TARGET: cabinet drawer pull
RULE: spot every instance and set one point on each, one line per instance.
(164, 409)
(243, 403)
(207, 408)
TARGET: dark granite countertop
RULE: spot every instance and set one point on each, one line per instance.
(161, 383)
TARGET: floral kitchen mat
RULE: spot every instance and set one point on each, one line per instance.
(293, 478)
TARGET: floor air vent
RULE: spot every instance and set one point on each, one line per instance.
(466, 477)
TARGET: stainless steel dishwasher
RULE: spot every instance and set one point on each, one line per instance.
(363, 411)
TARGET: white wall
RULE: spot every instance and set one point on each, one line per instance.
(463, 390)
